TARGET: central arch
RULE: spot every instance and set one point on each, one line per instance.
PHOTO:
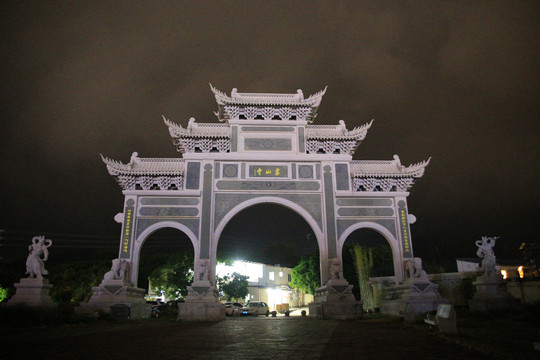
(276, 201)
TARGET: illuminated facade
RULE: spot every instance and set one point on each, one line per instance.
(268, 283)
(265, 149)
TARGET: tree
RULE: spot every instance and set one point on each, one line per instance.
(73, 281)
(234, 286)
(174, 276)
(306, 276)
(3, 293)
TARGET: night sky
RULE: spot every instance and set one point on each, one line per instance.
(455, 81)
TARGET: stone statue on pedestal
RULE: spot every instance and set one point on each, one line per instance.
(486, 253)
(34, 290)
(35, 267)
(491, 293)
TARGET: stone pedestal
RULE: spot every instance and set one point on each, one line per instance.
(201, 303)
(112, 292)
(414, 298)
(491, 295)
(336, 301)
(32, 292)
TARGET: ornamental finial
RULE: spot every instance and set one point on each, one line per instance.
(134, 158)
(397, 162)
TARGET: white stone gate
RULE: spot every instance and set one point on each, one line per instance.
(265, 150)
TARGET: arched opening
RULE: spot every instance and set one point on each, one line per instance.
(265, 241)
(165, 263)
(379, 253)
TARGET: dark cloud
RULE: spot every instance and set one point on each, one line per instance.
(454, 80)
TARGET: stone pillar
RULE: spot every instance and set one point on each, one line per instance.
(414, 297)
(114, 289)
(32, 292)
(113, 292)
(491, 295)
(335, 299)
(202, 301)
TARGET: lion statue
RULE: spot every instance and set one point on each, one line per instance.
(334, 269)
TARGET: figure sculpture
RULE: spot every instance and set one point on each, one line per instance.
(485, 251)
(334, 269)
(414, 269)
(397, 163)
(342, 127)
(191, 124)
(134, 158)
(34, 263)
(119, 270)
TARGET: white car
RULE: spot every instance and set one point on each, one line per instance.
(232, 308)
(255, 308)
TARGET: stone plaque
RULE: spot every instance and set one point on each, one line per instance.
(269, 144)
(266, 171)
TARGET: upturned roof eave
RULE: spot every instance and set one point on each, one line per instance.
(116, 168)
(269, 99)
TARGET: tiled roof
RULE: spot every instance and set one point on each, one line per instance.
(337, 131)
(268, 98)
(392, 168)
(145, 166)
(195, 129)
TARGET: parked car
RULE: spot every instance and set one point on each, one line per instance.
(256, 308)
(232, 308)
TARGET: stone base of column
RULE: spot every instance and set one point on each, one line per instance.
(336, 301)
(32, 292)
(412, 299)
(201, 303)
(492, 296)
(200, 311)
(113, 292)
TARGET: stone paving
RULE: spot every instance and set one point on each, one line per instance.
(234, 338)
(268, 338)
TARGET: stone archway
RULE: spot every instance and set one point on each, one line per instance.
(394, 244)
(141, 239)
(265, 149)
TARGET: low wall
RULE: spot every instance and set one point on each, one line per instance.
(527, 291)
(456, 287)
(459, 288)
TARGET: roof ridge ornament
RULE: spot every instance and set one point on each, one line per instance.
(294, 100)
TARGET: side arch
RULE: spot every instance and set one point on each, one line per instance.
(390, 238)
(323, 251)
(139, 242)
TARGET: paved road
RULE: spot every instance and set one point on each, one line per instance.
(235, 338)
